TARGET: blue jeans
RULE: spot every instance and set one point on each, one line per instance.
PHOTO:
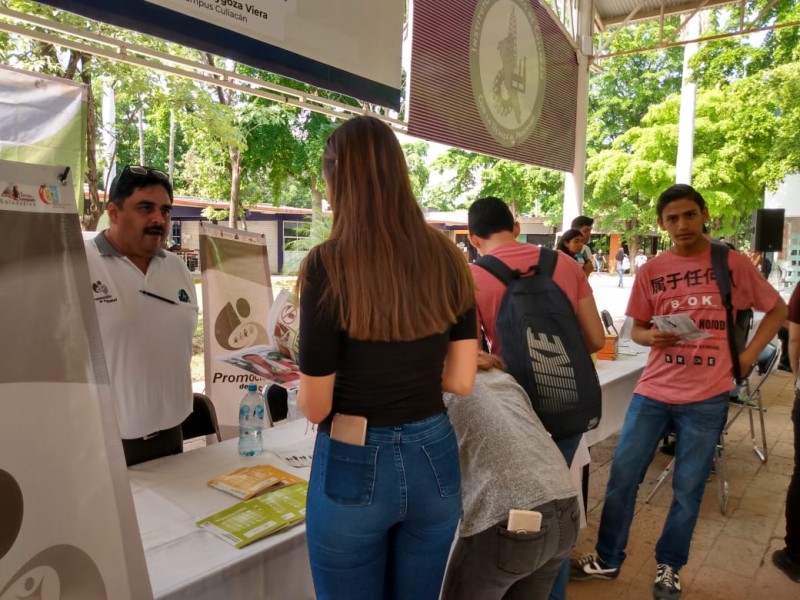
(381, 518)
(697, 426)
(620, 272)
(497, 563)
(793, 495)
(568, 447)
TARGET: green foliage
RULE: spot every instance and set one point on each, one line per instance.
(416, 158)
(528, 190)
(629, 84)
(315, 232)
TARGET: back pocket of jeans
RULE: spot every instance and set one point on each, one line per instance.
(519, 553)
(443, 458)
(350, 473)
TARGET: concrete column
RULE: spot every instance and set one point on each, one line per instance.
(683, 165)
(574, 181)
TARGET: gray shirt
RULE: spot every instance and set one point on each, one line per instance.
(508, 460)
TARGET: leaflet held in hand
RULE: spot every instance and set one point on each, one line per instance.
(679, 323)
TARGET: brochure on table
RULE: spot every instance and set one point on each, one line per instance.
(250, 520)
(248, 482)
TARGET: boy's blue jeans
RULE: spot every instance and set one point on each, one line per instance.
(381, 517)
(698, 426)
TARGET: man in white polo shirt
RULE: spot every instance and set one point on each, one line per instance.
(147, 310)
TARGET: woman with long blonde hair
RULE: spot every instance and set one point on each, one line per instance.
(387, 323)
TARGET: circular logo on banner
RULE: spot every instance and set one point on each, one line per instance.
(507, 68)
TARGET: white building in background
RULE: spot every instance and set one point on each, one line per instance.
(787, 197)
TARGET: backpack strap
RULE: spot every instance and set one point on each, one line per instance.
(547, 262)
(719, 262)
(495, 266)
(498, 268)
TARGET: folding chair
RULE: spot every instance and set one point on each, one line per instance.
(749, 398)
(202, 420)
(608, 322)
(723, 490)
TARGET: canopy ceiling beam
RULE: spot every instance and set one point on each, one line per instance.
(706, 38)
(618, 20)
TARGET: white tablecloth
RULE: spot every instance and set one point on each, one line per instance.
(184, 561)
(617, 379)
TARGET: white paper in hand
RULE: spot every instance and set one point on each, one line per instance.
(679, 323)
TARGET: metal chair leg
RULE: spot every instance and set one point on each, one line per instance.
(761, 451)
(660, 481)
(723, 487)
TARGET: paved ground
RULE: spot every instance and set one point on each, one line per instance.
(730, 554)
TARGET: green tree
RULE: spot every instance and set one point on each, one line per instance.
(527, 189)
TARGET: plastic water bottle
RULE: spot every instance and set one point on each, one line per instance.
(251, 422)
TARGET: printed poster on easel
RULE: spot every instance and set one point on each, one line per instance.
(67, 523)
(237, 296)
(249, 338)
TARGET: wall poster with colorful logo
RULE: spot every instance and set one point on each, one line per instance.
(237, 297)
(43, 121)
(67, 523)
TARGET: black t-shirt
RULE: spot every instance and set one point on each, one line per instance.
(390, 383)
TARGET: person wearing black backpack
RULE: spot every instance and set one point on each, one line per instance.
(685, 386)
(558, 340)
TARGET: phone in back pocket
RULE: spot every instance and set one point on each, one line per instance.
(524, 521)
(350, 429)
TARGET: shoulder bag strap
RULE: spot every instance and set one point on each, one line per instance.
(719, 262)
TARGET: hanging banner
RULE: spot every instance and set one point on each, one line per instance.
(67, 523)
(498, 77)
(43, 121)
(347, 46)
(237, 297)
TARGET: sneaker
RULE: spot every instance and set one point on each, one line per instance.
(668, 583)
(786, 564)
(591, 566)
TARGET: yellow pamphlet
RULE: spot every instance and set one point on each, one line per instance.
(247, 482)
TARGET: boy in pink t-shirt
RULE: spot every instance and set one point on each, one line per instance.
(685, 386)
(493, 231)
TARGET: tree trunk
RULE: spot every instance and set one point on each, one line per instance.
(171, 145)
(95, 208)
(316, 199)
(236, 173)
(633, 245)
(141, 136)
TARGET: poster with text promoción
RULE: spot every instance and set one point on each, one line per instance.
(67, 523)
(237, 297)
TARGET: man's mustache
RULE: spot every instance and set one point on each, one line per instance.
(154, 230)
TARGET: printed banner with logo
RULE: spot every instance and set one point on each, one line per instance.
(237, 297)
(43, 121)
(497, 77)
(67, 523)
(347, 46)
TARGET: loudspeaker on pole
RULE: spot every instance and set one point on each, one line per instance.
(767, 230)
